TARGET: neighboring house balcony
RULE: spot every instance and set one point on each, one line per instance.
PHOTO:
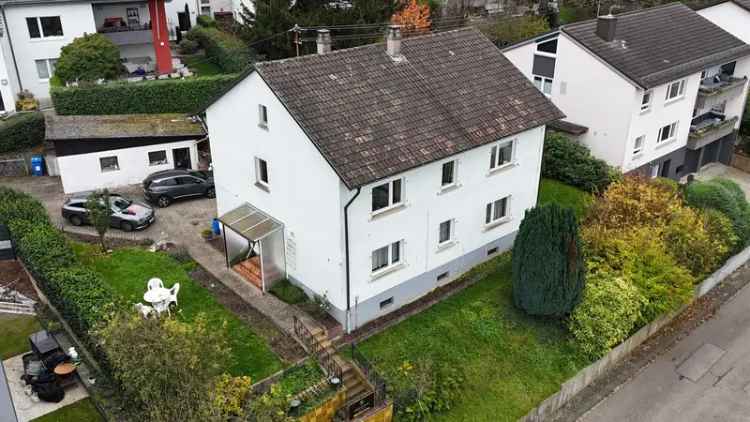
(719, 89)
(708, 128)
(128, 35)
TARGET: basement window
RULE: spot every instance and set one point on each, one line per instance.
(109, 164)
(492, 251)
(442, 276)
(386, 303)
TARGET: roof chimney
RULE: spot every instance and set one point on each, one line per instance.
(324, 41)
(393, 42)
(606, 27)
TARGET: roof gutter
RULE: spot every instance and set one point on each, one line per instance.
(346, 253)
(12, 51)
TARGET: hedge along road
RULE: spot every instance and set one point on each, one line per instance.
(705, 376)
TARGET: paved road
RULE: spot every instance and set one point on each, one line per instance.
(705, 377)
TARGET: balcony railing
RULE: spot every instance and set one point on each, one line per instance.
(128, 35)
(714, 92)
(710, 128)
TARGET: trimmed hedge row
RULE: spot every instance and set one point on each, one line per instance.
(82, 298)
(21, 131)
(148, 97)
(227, 51)
(573, 164)
(725, 196)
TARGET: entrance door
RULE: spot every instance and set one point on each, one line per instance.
(181, 158)
(710, 153)
(665, 168)
(184, 20)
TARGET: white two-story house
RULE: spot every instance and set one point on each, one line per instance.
(658, 91)
(376, 174)
(732, 16)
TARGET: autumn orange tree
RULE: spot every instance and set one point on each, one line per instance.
(412, 16)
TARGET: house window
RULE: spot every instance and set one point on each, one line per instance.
(263, 116)
(549, 47)
(646, 101)
(501, 154)
(496, 211)
(667, 133)
(445, 232)
(386, 257)
(675, 90)
(261, 172)
(448, 177)
(109, 164)
(387, 195)
(45, 68)
(638, 145)
(157, 158)
(543, 84)
(45, 26)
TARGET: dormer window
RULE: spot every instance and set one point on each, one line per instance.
(262, 116)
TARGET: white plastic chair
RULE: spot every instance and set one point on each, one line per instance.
(155, 283)
(173, 294)
(144, 310)
(160, 307)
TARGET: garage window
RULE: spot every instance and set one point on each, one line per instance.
(157, 158)
(109, 164)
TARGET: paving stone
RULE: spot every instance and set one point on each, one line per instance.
(700, 362)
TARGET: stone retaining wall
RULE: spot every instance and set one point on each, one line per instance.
(741, 161)
(589, 374)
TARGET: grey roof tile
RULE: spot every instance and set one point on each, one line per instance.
(371, 117)
(658, 45)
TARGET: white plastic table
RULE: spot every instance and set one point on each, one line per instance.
(158, 298)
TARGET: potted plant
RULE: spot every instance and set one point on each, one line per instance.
(207, 234)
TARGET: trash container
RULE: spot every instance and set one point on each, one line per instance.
(216, 226)
(37, 165)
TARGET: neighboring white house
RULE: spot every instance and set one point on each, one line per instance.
(658, 91)
(376, 174)
(732, 16)
(95, 152)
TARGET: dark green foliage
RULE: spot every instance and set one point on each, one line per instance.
(745, 125)
(89, 58)
(205, 21)
(572, 163)
(228, 52)
(548, 273)
(21, 131)
(100, 213)
(188, 46)
(161, 96)
(288, 292)
(725, 196)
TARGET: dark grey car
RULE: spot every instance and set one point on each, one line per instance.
(127, 215)
(163, 187)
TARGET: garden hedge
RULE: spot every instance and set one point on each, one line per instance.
(21, 131)
(80, 295)
(572, 163)
(725, 196)
(148, 97)
(228, 52)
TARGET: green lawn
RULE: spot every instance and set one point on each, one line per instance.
(511, 361)
(201, 66)
(127, 270)
(80, 411)
(565, 195)
(14, 334)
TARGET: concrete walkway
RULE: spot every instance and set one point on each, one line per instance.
(704, 377)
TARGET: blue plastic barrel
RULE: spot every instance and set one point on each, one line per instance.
(37, 165)
(216, 226)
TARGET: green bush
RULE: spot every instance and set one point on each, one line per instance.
(571, 163)
(89, 58)
(635, 201)
(693, 245)
(424, 388)
(160, 96)
(188, 46)
(548, 274)
(288, 292)
(724, 196)
(719, 226)
(205, 21)
(228, 52)
(606, 315)
(21, 131)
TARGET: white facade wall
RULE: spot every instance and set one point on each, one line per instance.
(426, 206)
(304, 190)
(729, 17)
(8, 80)
(76, 19)
(83, 172)
(171, 8)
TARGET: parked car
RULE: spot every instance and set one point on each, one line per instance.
(127, 215)
(163, 187)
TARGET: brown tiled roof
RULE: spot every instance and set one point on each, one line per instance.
(372, 117)
(658, 45)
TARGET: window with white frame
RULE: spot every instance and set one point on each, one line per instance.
(157, 158)
(262, 116)
(387, 195)
(386, 257)
(675, 90)
(445, 232)
(109, 164)
(45, 68)
(448, 174)
(501, 154)
(667, 133)
(496, 211)
(261, 172)
(646, 101)
(638, 144)
(543, 84)
(44, 27)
